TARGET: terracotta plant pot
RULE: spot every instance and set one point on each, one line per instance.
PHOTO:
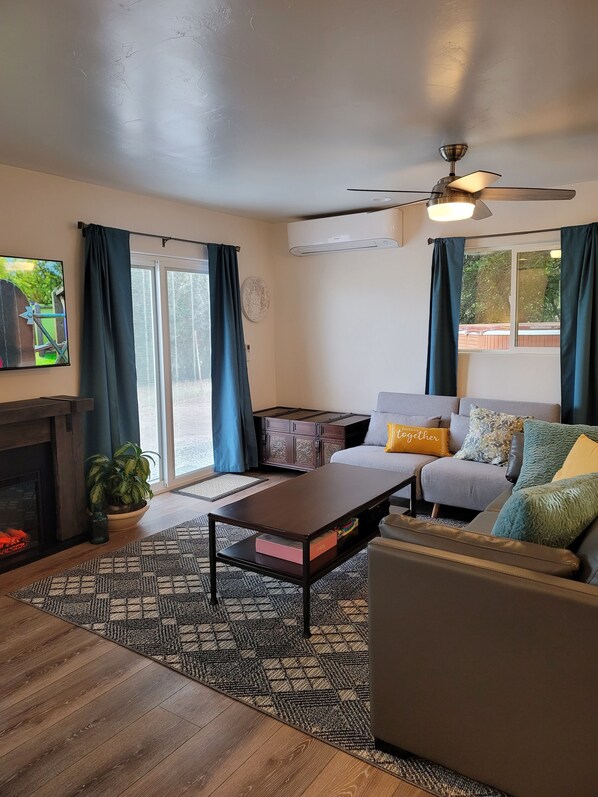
(123, 521)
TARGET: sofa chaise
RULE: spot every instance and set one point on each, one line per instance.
(444, 480)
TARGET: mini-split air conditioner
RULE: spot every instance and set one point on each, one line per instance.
(380, 229)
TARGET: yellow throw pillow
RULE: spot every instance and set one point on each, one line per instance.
(583, 458)
(417, 440)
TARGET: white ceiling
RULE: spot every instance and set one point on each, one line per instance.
(272, 108)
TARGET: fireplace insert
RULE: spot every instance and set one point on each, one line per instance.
(27, 505)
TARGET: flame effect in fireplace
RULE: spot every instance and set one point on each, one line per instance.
(13, 540)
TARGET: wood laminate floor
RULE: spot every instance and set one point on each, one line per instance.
(80, 715)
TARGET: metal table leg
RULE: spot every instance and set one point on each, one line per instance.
(306, 589)
(212, 541)
(413, 498)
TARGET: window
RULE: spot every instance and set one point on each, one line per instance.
(510, 299)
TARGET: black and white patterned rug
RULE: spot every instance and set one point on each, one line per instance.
(153, 597)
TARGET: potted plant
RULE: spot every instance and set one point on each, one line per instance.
(119, 486)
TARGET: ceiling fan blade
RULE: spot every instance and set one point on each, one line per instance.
(415, 202)
(526, 193)
(474, 182)
(481, 211)
(391, 191)
(373, 209)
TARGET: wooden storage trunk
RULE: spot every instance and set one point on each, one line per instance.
(305, 439)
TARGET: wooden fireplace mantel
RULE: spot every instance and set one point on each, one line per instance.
(57, 420)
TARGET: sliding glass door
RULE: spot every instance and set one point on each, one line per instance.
(171, 310)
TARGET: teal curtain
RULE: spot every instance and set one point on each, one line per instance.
(108, 373)
(445, 306)
(235, 445)
(579, 324)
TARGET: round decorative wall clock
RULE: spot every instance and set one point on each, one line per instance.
(255, 298)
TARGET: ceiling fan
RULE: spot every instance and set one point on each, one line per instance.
(454, 198)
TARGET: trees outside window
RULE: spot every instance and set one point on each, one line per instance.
(510, 299)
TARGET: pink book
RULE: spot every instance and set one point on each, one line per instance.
(292, 550)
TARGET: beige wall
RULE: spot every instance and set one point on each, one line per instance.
(343, 326)
(38, 218)
(349, 325)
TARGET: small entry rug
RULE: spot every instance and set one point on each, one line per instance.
(219, 486)
(153, 597)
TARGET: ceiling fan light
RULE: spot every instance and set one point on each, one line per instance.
(445, 208)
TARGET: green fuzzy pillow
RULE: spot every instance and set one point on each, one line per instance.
(552, 514)
(546, 448)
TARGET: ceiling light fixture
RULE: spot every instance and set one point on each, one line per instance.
(450, 204)
(448, 208)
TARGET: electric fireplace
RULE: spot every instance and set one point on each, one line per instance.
(27, 505)
(42, 490)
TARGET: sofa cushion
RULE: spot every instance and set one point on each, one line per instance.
(376, 457)
(458, 431)
(554, 561)
(497, 503)
(484, 522)
(377, 433)
(583, 458)
(417, 440)
(546, 448)
(459, 482)
(553, 514)
(489, 436)
(418, 404)
(535, 409)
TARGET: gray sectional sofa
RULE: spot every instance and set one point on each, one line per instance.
(483, 653)
(444, 480)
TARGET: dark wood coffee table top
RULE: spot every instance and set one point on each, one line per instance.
(303, 507)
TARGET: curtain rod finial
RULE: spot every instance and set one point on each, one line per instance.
(431, 241)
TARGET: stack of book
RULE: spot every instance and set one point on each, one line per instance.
(292, 550)
(346, 530)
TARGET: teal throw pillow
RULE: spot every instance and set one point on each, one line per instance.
(552, 514)
(546, 448)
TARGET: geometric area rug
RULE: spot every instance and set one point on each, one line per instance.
(153, 597)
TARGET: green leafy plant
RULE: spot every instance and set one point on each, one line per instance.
(120, 483)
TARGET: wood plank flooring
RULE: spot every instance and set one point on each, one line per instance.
(80, 715)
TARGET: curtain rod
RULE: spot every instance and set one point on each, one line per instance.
(82, 225)
(502, 234)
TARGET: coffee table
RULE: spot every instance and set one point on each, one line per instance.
(302, 509)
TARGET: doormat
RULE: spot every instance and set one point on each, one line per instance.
(153, 597)
(219, 486)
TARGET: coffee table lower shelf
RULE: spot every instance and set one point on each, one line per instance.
(243, 554)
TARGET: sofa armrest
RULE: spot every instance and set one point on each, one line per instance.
(555, 561)
(484, 668)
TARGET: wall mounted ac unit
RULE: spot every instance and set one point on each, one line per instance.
(379, 229)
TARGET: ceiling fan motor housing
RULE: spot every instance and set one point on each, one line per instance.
(442, 195)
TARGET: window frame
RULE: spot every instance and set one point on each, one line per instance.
(515, 249)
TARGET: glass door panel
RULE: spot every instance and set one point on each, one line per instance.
(171, 317)
(146, 354)
(190, 369)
